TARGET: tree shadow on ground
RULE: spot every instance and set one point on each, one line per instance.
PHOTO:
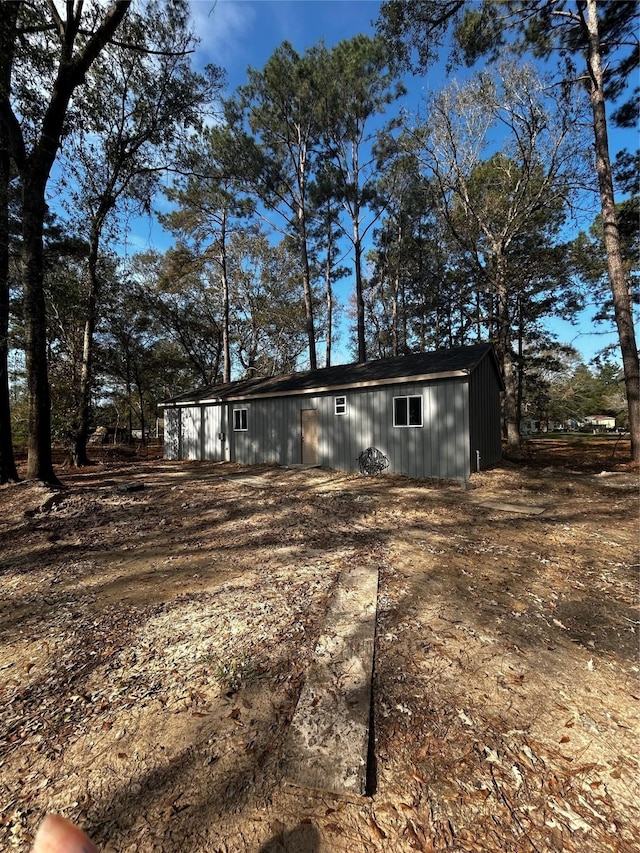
(304, 838)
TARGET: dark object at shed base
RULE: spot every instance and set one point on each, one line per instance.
(372, 461)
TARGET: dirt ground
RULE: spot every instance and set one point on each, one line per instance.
(153, 644)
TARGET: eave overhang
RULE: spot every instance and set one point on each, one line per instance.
(320, 389)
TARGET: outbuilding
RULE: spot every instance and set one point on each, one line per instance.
(433, 414)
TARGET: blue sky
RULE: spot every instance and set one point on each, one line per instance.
(240, 33)
(235, 34)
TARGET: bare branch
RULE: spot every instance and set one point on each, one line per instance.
(58, 23)
(147, 51)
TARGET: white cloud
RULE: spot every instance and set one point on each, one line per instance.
(222, 27)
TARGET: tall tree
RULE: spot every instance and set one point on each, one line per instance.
(490, 206)
(70, 40)
(596, 42)
(282, 106)
(618, 21)
(328, 252)
(8, 35)
(187, 306)
(210, 208)
(589, 258)
(139, 366)
(135, 106)
(268, 310)
(65, 285)
(360, 83)
(409, 271)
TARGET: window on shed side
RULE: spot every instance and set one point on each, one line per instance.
(240, 420)
(341, 405)
(407, 411)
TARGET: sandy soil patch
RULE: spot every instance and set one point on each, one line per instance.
(153, 645)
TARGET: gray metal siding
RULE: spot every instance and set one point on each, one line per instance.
(437, 449)
(273, 434)
(172, 434)
(212, 426)
(440, 448)
(191, 432)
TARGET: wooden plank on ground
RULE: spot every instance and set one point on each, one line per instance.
(328, 742)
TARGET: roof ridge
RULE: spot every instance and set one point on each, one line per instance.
(425, 365)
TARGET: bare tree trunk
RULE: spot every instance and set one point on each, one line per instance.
(395, 332)
(619, 286)
(357, 253)
(79, 450)
(8, 471)
(40, 459)
(35, 170)
(143, 427)
(226, 338)
(79, 456)
(306, 284)
(510, 400)
(395, 346)
(329, 301)
(505, 355)
(520, 363)
(405, 334)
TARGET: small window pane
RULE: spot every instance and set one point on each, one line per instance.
(239, 420)
(400, 411)
(407, 411)
(341, 405)
(415, 411)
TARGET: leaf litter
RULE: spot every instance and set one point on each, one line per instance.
(154, 644)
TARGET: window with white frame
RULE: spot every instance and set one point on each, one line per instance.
(407, 411)
(341, 405)
(240, 420)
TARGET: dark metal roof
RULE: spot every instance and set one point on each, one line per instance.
(458, 361)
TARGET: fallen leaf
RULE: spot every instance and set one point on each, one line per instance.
(376, 829)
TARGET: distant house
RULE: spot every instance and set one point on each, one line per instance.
(433, 414)
(602, 422)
